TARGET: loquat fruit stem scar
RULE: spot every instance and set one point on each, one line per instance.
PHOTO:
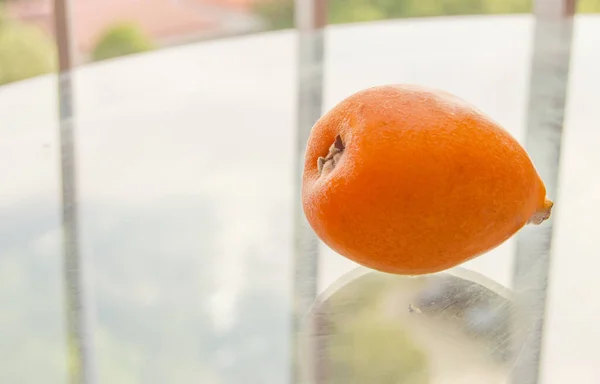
(320, 163)
(338, 144)
(543, 214)
(335, 152)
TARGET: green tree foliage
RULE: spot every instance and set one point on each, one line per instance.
(280, 13)
(120, 40)
(588, 6)
(25, 51)
(371, 349)
(363, 344)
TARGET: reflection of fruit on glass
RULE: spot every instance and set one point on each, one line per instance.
(410, 180)
(480, 312)
(371, 349)
(362, 342)
(455, 327)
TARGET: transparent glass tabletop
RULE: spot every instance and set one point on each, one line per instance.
(457, 326)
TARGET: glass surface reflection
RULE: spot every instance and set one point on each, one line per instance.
(451, 327)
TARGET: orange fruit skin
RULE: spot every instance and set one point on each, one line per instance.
(425, 181)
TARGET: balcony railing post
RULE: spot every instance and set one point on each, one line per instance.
(310, 18)
(546, 111)
(79, 346)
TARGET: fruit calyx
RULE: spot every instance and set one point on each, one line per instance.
(543, 214)
(327, 164)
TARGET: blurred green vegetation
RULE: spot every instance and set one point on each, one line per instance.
(120, 40)
(25, 51)
(372, 349)
(588, 6)
(279, 14)
(365, 344)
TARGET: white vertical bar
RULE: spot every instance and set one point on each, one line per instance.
(310, 23)
(79, 345)
(547, 100)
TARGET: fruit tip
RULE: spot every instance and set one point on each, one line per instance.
(542, 214)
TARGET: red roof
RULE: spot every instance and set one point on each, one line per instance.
(160, 19)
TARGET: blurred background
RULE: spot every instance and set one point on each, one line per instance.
(185, 123)
(104, 29)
